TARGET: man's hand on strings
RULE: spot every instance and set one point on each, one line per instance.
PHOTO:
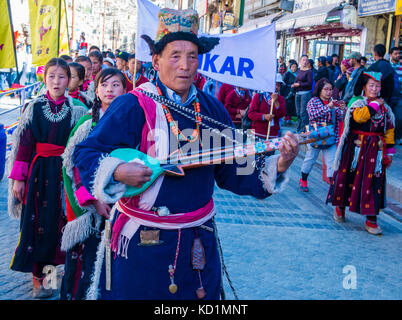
(133, 174)
(289, 148)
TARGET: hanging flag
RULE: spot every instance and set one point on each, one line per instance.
(246, 60)
(44, 18)
(147, 23)
(7, 44)
(64, 41)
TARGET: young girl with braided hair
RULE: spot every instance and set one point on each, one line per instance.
(85, 214)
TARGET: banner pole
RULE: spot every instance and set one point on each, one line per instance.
(17, 80)
(135, 73)
(270, 112)
(14, 46)
(58, 30)
(68, 35)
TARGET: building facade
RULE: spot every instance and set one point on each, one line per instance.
(312, 27)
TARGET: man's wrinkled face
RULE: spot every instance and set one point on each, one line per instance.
(177, 65)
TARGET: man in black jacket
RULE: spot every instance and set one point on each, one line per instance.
(322, 70)
(383, 66)
(354, 60)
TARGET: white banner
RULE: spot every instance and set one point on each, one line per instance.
(147, 23)
(245, 60)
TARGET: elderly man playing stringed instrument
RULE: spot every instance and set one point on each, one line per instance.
(160, 239)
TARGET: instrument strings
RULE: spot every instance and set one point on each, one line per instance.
(211, 154)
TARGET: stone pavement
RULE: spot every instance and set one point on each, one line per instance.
(283, 247)
(289, 247)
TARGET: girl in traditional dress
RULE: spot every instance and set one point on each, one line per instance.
(88, 85)
(363, 155)
(97, 62)
(76, 82)
(36, 189)
(85, 214)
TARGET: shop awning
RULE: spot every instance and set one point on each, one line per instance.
(259, 22)
(307, 18)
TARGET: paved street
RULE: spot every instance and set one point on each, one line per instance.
(284, 247)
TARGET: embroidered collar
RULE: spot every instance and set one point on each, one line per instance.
(170, 94)
(130, 76)
(60, 100)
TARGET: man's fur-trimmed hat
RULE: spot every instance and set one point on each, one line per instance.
(179, 25)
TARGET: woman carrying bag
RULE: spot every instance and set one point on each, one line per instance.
(322, 109)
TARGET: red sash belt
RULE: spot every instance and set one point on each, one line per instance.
(44, 150)
(375, 134)
(364, 133)
(170, 219)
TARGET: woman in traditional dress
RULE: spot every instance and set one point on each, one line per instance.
(36, 189)
(364, 152)
(85, 214)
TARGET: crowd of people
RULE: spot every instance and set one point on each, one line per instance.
(363, 103)
(64, 181)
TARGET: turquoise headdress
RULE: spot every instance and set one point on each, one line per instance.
(377, 76)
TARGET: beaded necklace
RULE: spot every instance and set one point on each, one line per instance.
(174, 127)
(56, 116)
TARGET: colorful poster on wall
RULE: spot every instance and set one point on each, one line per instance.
(398, 10)
(44, 17)
(7, 48)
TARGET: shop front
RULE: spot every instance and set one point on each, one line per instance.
(383, 21)
(321, 28)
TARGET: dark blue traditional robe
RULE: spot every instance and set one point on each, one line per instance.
(144, 275)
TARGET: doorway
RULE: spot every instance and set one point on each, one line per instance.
(319, 48)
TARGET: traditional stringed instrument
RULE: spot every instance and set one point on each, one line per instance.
(177, 163)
